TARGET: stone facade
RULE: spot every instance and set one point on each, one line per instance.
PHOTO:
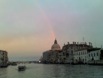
(70, 50)
(72, 53)
(87, 55)
(3, 58)
(51, 56)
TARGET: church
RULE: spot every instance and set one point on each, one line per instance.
(51, 56)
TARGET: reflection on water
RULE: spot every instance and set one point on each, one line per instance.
(53, 71)
(3, 73)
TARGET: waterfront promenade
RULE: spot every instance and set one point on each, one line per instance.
(53, 71)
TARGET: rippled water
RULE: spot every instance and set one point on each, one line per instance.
(53, 71)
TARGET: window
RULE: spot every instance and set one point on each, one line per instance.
(67, 54)
(79, 53)
(97, 54)
(63, 53)
(91, 55)
(94, 54)
(71, 52)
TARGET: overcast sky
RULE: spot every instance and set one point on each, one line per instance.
(28, 27)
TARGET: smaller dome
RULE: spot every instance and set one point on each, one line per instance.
(55, 46)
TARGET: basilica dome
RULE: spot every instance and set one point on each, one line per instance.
(55, 46)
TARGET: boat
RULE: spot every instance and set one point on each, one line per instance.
(21, 68)
(13, 64)
(3, 65)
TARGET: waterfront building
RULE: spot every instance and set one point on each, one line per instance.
(75, 53)
(95, 56)
(88, 55)
(51, 56)
(70, 49)
(3, 58)
(61, 57)
(80, 56)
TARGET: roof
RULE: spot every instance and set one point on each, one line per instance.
(55, 46)
(93, 49)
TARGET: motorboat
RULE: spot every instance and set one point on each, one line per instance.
(21, 68)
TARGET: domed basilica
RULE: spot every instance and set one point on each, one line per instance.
(55, 46)
(50, 56)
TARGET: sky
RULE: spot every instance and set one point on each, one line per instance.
(29, 27)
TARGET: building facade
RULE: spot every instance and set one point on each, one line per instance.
(75, 53)
(80, 56)
(70, 49)
(51, 56)
(88, 55)
(3, 58)
(95, 56)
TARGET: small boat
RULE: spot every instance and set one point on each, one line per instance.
(21, 68)
(13, 64)
(3, 66)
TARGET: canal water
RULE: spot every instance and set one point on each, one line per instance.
(53, 71)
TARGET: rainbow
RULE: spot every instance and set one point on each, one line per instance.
(49, 25)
